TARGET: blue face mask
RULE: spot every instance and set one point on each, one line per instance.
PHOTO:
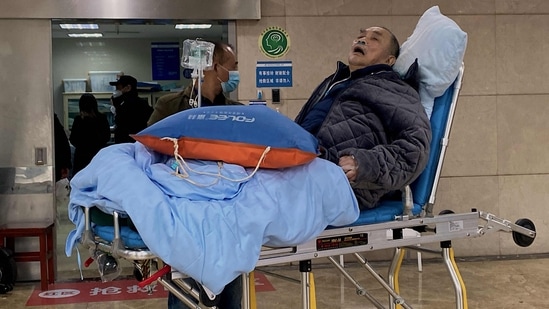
(232, 83)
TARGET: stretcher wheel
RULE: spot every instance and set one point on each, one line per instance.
(446, 212)
(520, 239)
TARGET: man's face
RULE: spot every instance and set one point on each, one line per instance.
(123, 88)
(230, 64)
(371, 47)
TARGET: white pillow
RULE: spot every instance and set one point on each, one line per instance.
(439, 45)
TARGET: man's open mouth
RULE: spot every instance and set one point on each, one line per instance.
(358, 50)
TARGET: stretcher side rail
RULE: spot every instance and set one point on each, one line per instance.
(374, 236)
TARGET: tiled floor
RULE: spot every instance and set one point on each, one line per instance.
(521, 283)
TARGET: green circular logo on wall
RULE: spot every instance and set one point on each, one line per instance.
(274, 42)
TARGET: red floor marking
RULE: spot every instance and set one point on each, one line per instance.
(97, 291)
(92, 291)
(262, 284)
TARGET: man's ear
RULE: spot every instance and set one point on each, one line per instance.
(391, 60)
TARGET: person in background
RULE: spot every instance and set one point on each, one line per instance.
(369, 121)
(62, 150)
(131, 111)
(222, 78)
(90, 132)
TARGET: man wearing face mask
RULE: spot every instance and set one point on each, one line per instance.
(222, 78)
(131, 111)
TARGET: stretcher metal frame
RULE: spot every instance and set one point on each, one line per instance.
(442, 228)
(335, 242)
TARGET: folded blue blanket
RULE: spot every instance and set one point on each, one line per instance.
(211, 223)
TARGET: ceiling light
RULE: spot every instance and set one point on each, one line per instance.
(193, 26)
(79, 26)
(85, 35)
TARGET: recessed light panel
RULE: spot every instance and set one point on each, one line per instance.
(85, 35)
(193, 26)
(79, 26)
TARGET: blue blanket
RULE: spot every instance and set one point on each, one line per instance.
(212, 224)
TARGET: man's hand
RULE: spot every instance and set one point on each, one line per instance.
(349, 166)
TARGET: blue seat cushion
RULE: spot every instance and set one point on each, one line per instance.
(130, 237)
(386, 211)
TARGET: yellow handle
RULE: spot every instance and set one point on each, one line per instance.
(312, 291)
(397, 272)
(253, 303)
(460, 279)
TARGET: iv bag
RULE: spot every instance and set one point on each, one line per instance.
(197, 54)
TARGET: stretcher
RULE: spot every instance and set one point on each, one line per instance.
(323, 226)
(379, 228)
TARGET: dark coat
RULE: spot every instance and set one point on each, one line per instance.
(379, 120)
(88, 136)
(132, 113)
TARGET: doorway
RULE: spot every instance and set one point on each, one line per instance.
(124, 46)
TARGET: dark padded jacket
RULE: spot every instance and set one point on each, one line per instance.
(379, 120)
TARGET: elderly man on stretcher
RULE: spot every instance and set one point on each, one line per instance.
(369, 121)
(209, 219)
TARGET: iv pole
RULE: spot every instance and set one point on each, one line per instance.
(199, 75)
(191, 61)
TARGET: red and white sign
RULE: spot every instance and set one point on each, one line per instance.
(97, 291)
(93, 291)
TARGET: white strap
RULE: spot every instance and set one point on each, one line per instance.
(182, 170)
